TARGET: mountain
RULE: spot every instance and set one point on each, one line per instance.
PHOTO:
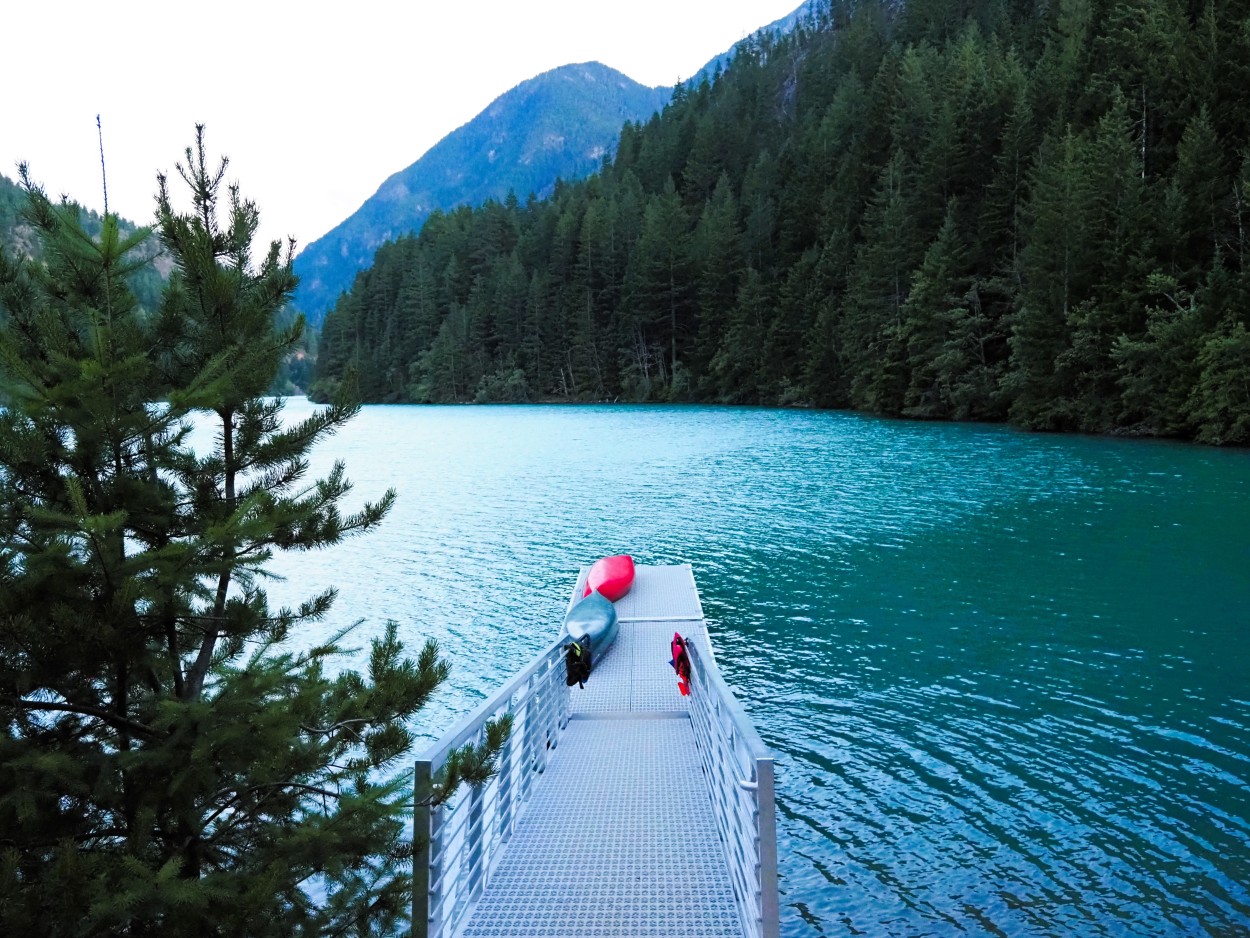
(984, 211)
(559, 124)
(15, 235)
(808, 14)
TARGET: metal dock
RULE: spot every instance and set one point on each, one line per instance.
(621, 809)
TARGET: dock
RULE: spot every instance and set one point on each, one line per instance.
(619, 809)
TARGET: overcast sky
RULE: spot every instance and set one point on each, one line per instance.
(315, 103)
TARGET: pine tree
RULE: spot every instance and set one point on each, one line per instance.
(659, 285)
(1221, 400)
(1121, 239)
(717, 254)
(1056, 271)
(1194, 202)
(937, 356)
(736, 366)
(1158, 370)
(878, 286)
(175, 759)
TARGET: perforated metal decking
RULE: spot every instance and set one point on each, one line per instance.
(620, 838)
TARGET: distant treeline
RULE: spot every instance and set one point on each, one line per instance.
(990, 209)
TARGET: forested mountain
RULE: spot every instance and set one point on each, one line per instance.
(17, 238)
(783, 25)
(560, 124)
(987, 209)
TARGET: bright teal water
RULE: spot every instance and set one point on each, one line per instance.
(1006, 677)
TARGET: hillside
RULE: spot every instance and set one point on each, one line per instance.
(14, 236)
(947, 209)
(18, 240)
(559, 124)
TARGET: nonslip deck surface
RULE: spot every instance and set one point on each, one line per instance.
(634, 676)
(619, 838)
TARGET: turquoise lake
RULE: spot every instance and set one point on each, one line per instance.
(1006, 677)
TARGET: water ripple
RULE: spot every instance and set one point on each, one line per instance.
(1004, 675)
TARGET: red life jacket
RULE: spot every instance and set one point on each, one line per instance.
(681, 663)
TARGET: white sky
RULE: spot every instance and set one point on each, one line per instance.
(315, 103)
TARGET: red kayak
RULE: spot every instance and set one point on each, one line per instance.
(611, 577)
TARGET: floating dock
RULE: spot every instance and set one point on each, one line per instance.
(619, 809)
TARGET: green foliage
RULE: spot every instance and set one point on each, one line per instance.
(170, 764)
(20, 238)
(939, 210)
(1221, 399)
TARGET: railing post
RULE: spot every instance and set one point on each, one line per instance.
(549, 703)
(767, 808)
(423, 850)
(474, 837)
(530, 752)
(505, 788)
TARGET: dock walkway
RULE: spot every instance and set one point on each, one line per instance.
(625, 832)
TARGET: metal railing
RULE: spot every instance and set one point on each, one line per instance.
(457, 843)
(739, 771)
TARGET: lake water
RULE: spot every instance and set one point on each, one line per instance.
(1006, 677)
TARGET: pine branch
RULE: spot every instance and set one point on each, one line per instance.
(472, 764)
(331, 728)
(113, 719)
(271, 787)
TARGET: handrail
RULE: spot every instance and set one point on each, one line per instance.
(459, 734)
(457, 843)
(739, 770)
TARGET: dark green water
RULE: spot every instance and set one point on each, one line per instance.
(1006, 677)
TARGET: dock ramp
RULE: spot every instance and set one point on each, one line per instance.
(619, 809)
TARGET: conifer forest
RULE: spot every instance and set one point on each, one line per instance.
(1003, 210)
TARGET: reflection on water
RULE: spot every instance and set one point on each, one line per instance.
(1004, 675)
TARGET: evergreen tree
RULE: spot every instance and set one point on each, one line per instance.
(934, 307)
(659, 285)
(1056, 275)
(1221, 399)
(175, 758)
(1120, 239)
(738, 361)
(716, 250)
(1194, 203)
(879, 284)
(1158, 370)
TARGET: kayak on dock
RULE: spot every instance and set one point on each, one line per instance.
(611, 576)
(592, 625)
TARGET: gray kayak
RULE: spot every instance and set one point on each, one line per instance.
(592, 624)
(593, 617)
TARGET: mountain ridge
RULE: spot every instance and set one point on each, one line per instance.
(400, 206)
(558, 124)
